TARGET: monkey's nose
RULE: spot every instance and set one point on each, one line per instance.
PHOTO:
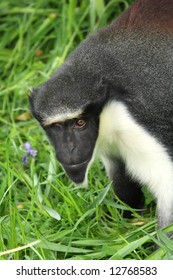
(76, 172)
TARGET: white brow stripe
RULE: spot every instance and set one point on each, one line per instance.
(62, 117)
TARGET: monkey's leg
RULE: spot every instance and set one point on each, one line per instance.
(165, 210)
(127, 189)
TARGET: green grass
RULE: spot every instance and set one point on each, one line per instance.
(42, 214)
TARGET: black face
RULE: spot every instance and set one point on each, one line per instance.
(74, 141)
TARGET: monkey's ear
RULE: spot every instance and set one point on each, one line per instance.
(97, 105)
(103, 89)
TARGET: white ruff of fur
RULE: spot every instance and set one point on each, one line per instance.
(146, 159)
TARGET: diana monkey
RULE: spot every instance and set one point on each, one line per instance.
(113, 99)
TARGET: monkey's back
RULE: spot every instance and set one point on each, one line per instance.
(138, 63)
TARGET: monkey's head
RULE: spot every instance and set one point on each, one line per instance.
(67, 106)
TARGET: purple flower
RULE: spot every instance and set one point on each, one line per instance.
(24, 160)
(29, 152)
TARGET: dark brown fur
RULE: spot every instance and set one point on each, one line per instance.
(156, 15)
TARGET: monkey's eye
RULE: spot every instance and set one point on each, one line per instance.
(79, 123)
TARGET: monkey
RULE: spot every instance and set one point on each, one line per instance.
(112, 99)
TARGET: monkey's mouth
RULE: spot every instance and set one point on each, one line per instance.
(76, 172)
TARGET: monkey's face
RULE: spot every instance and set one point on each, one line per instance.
(74, 141)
